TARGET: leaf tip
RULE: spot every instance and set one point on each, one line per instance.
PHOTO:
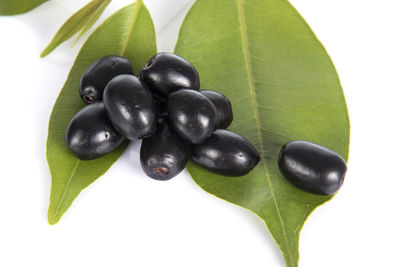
(139, 2)
(52, 219)
(45, 52)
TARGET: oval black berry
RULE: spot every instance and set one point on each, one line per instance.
(192, 115)
(99, 73)
(164, 154)
(130, 106)
(226, 153)
(167, 72)
(223, 105)
(90, 134)
(312, 168)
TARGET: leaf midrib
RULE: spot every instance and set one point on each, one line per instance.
(249, 71)
(139, 4)
(123, 48)
(66, 188)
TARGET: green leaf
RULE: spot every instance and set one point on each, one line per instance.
(92, 19)
(283, 86)
(14, 7)
(129, 33)
(82, 20)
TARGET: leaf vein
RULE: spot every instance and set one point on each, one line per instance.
(66, 188)
(249, 71)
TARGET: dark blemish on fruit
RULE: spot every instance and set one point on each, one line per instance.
(88, 99)
(148, 63)
(164, 154)
(161, 170)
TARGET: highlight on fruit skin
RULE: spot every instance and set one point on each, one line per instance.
(90, 134)
(192, 115)
(130, 107)
(99, 73)
(311, 167)
(223, 105)
(165, 108)
(167, 72)
(164, 154)
(226, 153)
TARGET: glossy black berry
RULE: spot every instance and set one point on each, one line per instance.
(130, 106)
(223, 105)
(226, 153)
(167, 72)
(164, 154)
(192, 115)
(90, 134)
(99, 73)
(311, 167)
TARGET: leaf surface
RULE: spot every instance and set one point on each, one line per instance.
(93, 18)
(282, 85)
(81, 21)
(14, 7)
(129, 33)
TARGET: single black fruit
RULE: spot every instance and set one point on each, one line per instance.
(130, 106)
(223, 105)
(226, 153)
(311, 167)
(167, 72)
(164, 154)
(90, 134)
(192, 115)
(99, 73)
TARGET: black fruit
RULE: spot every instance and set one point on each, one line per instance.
(312, 167)
(226, 153)
(192, 115)
(164, 154)
(90, 134)
(99, 73)
(223, 105)
(130, 106)
(167, 72)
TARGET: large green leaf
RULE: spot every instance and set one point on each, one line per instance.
(130, 33)
(81, 21)
(14, 7)
(283, 87)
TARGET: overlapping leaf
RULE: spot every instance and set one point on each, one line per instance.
(14, 7)
(81, 21)
(283, 87)
(129, 33)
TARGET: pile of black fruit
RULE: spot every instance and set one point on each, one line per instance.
(165, 108)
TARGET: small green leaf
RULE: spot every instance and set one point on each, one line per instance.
(129, 33)
(82, 20)
(14, 7)
(283, 86)
(95, 16)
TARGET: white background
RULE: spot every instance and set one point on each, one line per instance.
(126, 219)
